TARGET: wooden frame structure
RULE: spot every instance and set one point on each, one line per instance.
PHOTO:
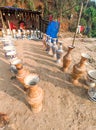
(32, 18)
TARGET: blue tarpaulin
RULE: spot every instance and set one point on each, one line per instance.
(12, 8)
(53, 29)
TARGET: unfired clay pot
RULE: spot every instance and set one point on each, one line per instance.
(22, 73)
(79, 69)
(34, 93)
(67, 58)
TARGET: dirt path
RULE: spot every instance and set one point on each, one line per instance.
(65, 107)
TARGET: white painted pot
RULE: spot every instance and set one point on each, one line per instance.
(85, 55)
(11, 53)
(92, 75)
(31, 79)
(16, 61)
(9, 48)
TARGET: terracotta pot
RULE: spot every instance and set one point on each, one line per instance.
(34, 93)
(67, 59)
(22, 73)
(35, 98)
(79, 69)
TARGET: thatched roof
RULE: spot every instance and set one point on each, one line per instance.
(11, 9)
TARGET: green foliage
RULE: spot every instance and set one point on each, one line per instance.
(15, 5)
(90, 16)
(83, 22)
(77, 8)
(93, 33)
(94, 23)
(30, 4)
(91, 11)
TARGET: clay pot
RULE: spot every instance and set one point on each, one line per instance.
(59, 54)
(48, 44)
(92, 84)
(67, 58)
(34, 93)
(10, 54)
(91, 78)
(15, 61)
(9, 48)
(54, 47)
(79, 69)
(22, 73)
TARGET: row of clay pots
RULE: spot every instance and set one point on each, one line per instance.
(34, 94)
(51, 44)
(30, 82)
(30, 34)
(79, 69)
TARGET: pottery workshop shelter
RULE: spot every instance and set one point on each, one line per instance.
(31, 18)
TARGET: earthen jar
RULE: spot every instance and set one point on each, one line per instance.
(79, 69)
(34, 93)
(67, 59)
(22, 73)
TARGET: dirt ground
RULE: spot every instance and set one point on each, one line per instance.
(65, 106)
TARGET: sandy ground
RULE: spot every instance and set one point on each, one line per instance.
(65, 106)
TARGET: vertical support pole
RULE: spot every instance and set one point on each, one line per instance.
(77, 24)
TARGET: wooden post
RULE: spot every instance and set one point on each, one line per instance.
(78, 23)
(4, 26)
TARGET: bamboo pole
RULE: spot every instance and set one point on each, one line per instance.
(77, 24)
(10, 28)
(4, 26)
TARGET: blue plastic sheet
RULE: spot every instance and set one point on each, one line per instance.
(53, 29)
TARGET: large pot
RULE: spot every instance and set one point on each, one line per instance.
(79, 69)
(34, 93)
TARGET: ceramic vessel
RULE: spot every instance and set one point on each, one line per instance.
(9, 48)
(54, 47)
(48, 44)
(91, 78)
(22, 73)
(10, 54)
(59, 54)
(91, 82)
(79, 69)
(67, 59)
(15, 61)
(34, 93)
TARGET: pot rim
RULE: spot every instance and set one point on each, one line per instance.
(92, 74)
(16, 61)
(85, 55)
(72, 47)
(28, 79)
(11, 53)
